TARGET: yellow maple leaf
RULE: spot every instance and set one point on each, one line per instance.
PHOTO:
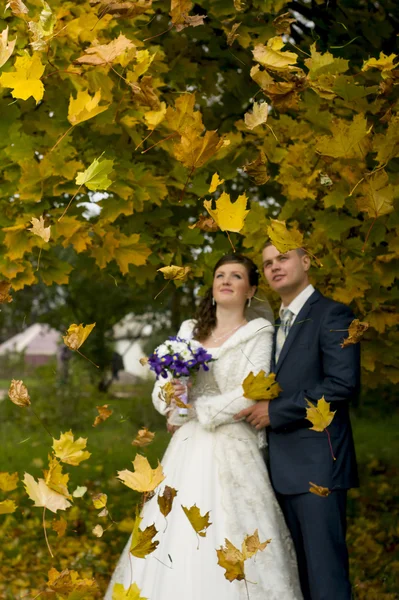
(103, 414)
(355, 332)
(179, 13)
(261, 386)
(132, 593)
(175, 272)
(98, 531)
(105, 54)
(18, 393)
(18, 7)
(258, 116)
(70, 451)
(165, 501)
(77, 334)
(66, 582)
(6, 47)
(144, 478)
(59, 526)
(142, 543)
(84, 107)
(183, 117)
(231, 559)
(282, 238)
(100, 501)
(5, 292)
(272, 57)
(252, 544)
(257, 169)
(39, 229)
(44, 496)
(167, 395)
(199, 523)
(8, 481)
(229, 216)
(319, 490)
(320, 416)
(154, 117)
(143, 438)
(384, 63)
(348, 140)
(378, 195)
(131, 251)
(25, 80)
(215, 182)
(7, 507)
(56, 479)
(194, 151)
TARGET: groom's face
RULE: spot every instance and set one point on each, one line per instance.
(285, 272)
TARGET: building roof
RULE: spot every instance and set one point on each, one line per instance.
(36, 339)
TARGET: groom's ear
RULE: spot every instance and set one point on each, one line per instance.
(306, 262)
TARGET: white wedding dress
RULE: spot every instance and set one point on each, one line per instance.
(216, 463)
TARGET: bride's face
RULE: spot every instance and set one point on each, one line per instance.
(231, 286)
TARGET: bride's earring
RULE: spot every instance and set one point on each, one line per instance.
(249, 302)
(213, 301)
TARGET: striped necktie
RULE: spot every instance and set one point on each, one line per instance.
(286, 320)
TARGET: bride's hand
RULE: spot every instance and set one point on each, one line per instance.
(179, 388)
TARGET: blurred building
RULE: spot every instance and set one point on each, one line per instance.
(38, 344)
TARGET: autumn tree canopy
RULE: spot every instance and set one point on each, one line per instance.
(115, 116)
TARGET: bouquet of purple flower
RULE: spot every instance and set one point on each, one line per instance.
(179, 358)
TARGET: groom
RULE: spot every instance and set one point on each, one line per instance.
(309, 363)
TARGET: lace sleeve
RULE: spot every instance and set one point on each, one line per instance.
(213, 411)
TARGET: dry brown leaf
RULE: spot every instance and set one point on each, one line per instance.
(143, 438)
(319, 490)
(18, 393)
(165, 501)
(103, 414)
(4, 292)
(355, 332)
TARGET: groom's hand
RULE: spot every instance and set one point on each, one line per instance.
(256, 415)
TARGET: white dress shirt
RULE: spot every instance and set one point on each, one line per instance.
(298, 302)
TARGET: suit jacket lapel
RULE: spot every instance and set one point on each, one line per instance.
(296, 327)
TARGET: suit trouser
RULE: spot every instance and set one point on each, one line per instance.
(318, 529)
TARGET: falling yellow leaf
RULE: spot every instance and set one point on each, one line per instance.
(199, 523)
(229, 216)
(103, 414)
(232, 559)
(272, 57)
(98, 531)
(8, 481)
(355, 332)
(232, 34)
(56, 479)
(180, 18)
(144, 478)
(7, 507)
(100, 501)
(319, 490)
(6, 47)
(258, 116)
(282, 238)
(165, 501)
(378, 195)
(142, 543)
(39, 229)
(18, 7)
(25, 80)
(282, 23)
(215, 182)
(205, 223)
(84, 107)
(143, 438)
(175, 272)
(59, 526)
(320, 416)
(132, 593)
(257, 169)
(107, 53)
(252, 544)
(194, 151)
(80, 491)
(44, 496)
(384, 63)
(77, 335)
(70, 451)
(167, 395)
(5, 292)
(18, 393)
(261, 386)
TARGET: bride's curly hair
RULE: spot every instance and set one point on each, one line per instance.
(206, 312)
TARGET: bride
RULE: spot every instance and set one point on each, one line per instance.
(216, 463)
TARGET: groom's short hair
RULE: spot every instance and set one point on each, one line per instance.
(300, 251)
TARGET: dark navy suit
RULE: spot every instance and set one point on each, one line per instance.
(312, 364)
